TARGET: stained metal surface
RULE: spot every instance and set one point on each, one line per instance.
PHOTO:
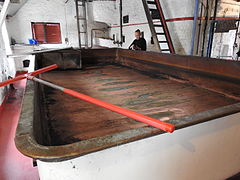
(72, 120)
(182, 90)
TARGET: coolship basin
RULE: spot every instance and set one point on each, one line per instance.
(182, 90)
(70, 120)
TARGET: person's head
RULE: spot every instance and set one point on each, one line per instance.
(137, 34)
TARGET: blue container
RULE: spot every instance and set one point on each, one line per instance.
(33, 41)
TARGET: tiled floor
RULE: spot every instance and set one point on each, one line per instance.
(13, 165)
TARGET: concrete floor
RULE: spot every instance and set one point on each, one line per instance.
(13, 165)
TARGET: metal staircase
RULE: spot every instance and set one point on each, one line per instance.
(81, 16)
(158, 26)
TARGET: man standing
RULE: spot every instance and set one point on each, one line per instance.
(139, 43)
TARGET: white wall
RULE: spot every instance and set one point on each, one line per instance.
(19, 26)
(102, 11)
(55, 11)
(207, 151)
(180, 31)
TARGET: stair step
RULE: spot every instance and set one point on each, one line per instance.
(82, 18)
(81, 4)
(151, 2)
(151, 9)
(160, 33)
(157, 25)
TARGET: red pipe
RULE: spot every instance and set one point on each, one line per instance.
(139, 117)
(42, 70)
(10, 81)
(39, 71)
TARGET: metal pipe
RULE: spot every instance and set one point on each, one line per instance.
(78, 24)
(199, 29)
(121, 23)
(45, 83)
(209, 52)
(215, 10)
(210, 39)
(196, 12)
(205, 28)
(85, 23)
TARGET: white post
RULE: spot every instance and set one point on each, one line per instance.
(3, 13)
(7, 65)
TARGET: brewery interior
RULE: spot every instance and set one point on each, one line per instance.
(119, 89)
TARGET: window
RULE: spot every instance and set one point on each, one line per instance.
(47, 33)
